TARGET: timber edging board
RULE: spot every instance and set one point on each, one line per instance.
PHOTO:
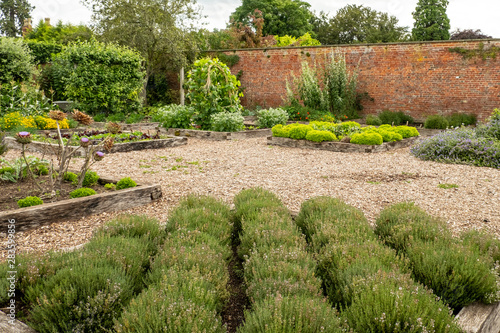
(340, 146)
(219, 136)
(72, 209)
(42, 147)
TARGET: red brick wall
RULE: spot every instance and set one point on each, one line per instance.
(420, 78)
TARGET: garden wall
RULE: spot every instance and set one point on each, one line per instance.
(422, 78)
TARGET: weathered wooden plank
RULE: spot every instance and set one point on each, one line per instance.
(219, 136)
(15, 327)
(72, 209)
(339, 146)
(480, 318)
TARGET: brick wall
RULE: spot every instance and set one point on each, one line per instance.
(420, 78)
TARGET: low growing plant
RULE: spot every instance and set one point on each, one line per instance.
(394, 118)
(227, 122)
(461, 119)
(268, 118)
(367, 138)
(174, 116)
(320, 136)
(81, 192)
(29, 201)
(373, 120)
(126, 182)
(436, 122)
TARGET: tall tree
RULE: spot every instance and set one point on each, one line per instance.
(12, 15)
(431, 21)
(159, 29)
(281, 17)
(358, 24)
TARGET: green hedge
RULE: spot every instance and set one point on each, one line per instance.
(43, 51)
(458, 273)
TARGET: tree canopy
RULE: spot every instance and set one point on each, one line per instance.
(281, 17)
(431, 21)
(358, 24)
(12, 15)
(468, 34)
(60, 33)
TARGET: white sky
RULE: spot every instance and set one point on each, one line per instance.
(463, 14)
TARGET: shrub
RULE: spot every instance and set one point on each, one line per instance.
(101, 78)
(320, 136)
(126, 182)
(70, 177)
(271, 117)
(347, 128)
(394, 118)
(42, 51)
(212, 89)
(133, 226)
(460, 146)
(459, 119)
(323, 126)
(24, 98)
(436, 122)
(81, 192)
(492, 128)
(367, 138)
(227, 122)
(373, 120)
(174, 116)
(84, 298)
(110, 186)
(291, 314)
(17, 62)
(485, 242)
(29, 201)
(406, 131)
(299, 132)
(280, 131)
(90, 179)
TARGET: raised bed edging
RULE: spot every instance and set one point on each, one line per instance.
(71, 209)
(219, 136)
(43, 147)
(340, 146)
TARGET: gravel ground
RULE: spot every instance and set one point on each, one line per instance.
(223, 168)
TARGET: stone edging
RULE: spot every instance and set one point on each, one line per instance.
(219, 136)
(72, 209)
(42, 147)
(340, 146)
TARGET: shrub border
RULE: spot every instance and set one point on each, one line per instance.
(72, 209)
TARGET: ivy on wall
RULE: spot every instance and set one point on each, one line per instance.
(480, 52)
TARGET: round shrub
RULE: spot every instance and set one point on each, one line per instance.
(17, 63)
(436, 122)
(405, 131)
(373, 120)
(299, 132)
(70, 177)
(271, 117)
(81, 192)
(90, 179)
(367, 138)
(29, 201)
(174, 116)
(323, 126)
(126, 182)
(280, 131)
(320, 136)
(227, 122)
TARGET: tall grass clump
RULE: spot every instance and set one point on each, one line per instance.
(332, 90)
(368, 282)
(279, 273)
(457, 273)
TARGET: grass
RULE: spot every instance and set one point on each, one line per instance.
(447, 186)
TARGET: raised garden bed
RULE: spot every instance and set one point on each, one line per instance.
(69, 209)
(42, 147)
(340, 146)
(219, 136)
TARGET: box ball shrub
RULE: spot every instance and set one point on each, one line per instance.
(436, 122)
(70, 177)
(299, 132)
(320, 136)
(126, 182)
(29, 201)
(373, 120)
(367, 138)
(81, 192)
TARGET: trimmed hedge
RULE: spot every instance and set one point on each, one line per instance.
(458, 273)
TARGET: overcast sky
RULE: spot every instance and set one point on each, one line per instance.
(463, 14)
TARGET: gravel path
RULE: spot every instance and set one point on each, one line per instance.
(223, 168)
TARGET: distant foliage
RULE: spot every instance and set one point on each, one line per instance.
(43, 51)
(468, 34)
(60, 34)
(304, 40)
(395, 118)
(436, 122)
(431, 21)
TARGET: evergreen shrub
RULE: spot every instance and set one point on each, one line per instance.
(436, 122)
(367, 138)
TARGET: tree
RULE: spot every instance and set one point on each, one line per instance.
(468, 34)
(358, 24)
(281, 17)
(12, 15)
(159, 29)
(431, 21)
(60, 34)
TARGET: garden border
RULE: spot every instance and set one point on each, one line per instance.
(72, 209)
(340, 146)
(39, 147)
(219, 136)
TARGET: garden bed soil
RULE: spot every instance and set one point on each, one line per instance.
(64, 209)
(340, 146)
(219, 136)
(47, 148)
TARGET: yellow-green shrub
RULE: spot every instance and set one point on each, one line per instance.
(299, 132)
(320, 136)
(367, 138)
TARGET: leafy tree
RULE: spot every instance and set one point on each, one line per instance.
(16, 61)
(12, 15)
(159, 29)
(358, 24)
(468, 34)
(282, 17)
(431, 21)
(60, 34)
